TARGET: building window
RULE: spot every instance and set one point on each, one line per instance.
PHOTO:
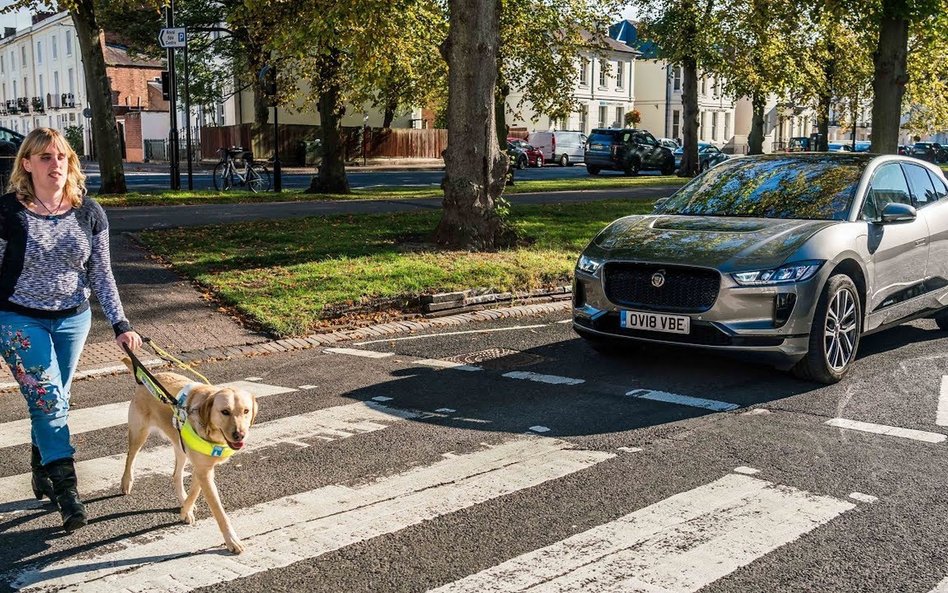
(3, 60)
(704, 85)
(68, 45)
(583, 74)
(15, 93)
(602, 116)
(42, 88)
(583, 117)
(727, 127)
(72, 86)
(702, 124)
(620, 74)
(53, 47)
(714, 126)
(676, 124)
(602, 73)
(619, 113)
(56, 82)
(676, 78)
(23, 56)
(39, 52)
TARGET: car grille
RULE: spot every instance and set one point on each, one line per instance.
(702, 333)
(686, 290)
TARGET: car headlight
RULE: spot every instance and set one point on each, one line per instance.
(786, 274)
(588, 264)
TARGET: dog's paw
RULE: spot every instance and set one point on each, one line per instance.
(127, 483)
(187, 517)
(235, 545)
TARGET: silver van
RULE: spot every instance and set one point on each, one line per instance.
(560, 146)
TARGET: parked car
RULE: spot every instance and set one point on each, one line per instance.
(708, 156)
(799, 144)
(863, 146)
(905, 150)
(527, 154)
(932, 152)
(839, 147)
(791, 257)
(669, 143)
(626, 149)
(8, 135)
(559, 146)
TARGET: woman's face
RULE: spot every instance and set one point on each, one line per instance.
(48, 168)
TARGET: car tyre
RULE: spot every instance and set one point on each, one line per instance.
(705, 165)
(669, 167)
(564, 160)
(834, 333)
(522, 162)
(592, 169)
(941, 319)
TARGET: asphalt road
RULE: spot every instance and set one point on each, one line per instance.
(538, 465)
(143, 181)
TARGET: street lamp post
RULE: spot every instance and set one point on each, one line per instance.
(365, 127)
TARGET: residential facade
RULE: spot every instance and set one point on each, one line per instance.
(42, 84)
(604, 91)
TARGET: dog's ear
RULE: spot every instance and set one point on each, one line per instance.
(253, 416)
(204, 411)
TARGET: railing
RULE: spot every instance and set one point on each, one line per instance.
(158, 151)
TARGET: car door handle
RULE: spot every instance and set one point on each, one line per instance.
(920, 242)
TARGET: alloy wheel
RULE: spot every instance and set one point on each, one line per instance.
(839, 330)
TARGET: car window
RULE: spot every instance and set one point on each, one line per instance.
(649, 139)
(626, 136)
(921, 185)
(600, 138)
(813, 188)
(888, 185)
(941, 189)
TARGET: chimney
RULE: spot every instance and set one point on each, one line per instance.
(42, 16)
(9, 32)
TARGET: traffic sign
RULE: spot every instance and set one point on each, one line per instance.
(174, 37)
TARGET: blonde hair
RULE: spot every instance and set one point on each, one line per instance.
(36, 142)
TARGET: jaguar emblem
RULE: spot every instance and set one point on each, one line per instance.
(658, 279)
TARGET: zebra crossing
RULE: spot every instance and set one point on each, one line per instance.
(683, 542)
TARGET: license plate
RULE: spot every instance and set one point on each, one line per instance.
(656, 322)
(597, 146)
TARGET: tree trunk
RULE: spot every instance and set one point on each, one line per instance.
(689, 100)
(331, 178)
(890, 77)
(755, 140)
(475, 167)
(825, 99)
(391, 105)
(105, 134)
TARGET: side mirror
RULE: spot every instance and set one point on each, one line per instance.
(896, 212)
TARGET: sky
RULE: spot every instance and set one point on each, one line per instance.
(19, 20)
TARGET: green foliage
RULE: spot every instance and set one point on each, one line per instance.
(73, 136)
(926, 94)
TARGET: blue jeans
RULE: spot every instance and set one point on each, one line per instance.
(42, 355)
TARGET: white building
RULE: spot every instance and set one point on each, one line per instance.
(604, 91)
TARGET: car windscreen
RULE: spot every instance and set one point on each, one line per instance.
(812, 188)
(602, 138)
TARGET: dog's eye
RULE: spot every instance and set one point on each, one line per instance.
(246, 411)
(225, 412)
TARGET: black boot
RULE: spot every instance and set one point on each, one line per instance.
(62, 472)
(42, 485)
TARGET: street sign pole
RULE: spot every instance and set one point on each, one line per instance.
(187, 113)
(173, 105)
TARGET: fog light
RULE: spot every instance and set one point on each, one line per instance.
(783, 306)
(579, 294)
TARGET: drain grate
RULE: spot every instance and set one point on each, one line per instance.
(498, 359)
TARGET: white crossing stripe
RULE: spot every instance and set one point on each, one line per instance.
(447, 364)
(683, 400)
(104, 473)
(108, 415)
(941, 587)
(538, 378)
(307, 525)
(458, 333)
(941, 417)
(893, 431)
(361, 353)
(680, 544)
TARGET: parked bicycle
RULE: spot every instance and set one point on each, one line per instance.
(236, 168)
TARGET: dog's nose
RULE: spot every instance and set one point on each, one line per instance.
(239, 435)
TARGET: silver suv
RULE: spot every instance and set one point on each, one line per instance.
(794, 257)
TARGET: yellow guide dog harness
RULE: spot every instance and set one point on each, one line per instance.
(186, 432)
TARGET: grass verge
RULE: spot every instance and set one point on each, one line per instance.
(171, 198)
(293, 277)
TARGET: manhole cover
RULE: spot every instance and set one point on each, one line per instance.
(498, 359)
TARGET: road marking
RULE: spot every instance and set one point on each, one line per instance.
(108, 415)
(539, 428)
(340, 422)
(680, 544)
(362, 353)
(307, 387)
(941, 419)
(867, 498)
(538, 378)
(381, 398)
(255, 379)
(683, 400)
(96, 372)
(446, 410)
(307, 525)
(461, 333)
(630, 449)
(447, 364)
(941, 587)
(747, 471)
(893, 431)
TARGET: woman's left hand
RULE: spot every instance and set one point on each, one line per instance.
(130, 339)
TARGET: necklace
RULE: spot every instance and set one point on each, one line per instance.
(51, 215)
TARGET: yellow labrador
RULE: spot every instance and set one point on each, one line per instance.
(220, 418)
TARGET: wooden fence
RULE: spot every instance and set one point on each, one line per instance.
(378, 142)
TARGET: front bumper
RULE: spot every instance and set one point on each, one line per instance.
(742, 318)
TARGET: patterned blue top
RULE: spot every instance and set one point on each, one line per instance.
(50, 265)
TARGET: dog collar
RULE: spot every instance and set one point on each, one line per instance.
(181, 407)
(196, 443)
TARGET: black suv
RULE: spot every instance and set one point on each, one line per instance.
(628, 150)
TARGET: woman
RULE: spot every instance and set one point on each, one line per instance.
(54, 243)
